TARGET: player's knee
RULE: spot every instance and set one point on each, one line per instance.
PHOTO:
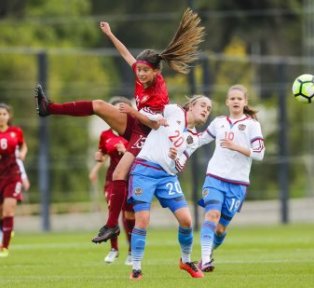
(129, 215)
(220, 229)
(96, 105)
(213, 216)
(119, 174)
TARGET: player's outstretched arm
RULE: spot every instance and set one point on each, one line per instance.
(124, 52)
(153, 121)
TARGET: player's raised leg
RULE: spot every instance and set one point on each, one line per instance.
(111, 115)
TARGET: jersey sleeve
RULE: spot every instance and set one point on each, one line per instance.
(19, 135)
(102, 143)
(151, 115)
(203, 138)
(257, 142)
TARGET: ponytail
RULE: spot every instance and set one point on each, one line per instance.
(182, 49)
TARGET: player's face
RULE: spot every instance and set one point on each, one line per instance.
(4, 117)
(236, 101)
(145, 74)
(201, 110)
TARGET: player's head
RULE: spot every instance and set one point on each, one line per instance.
(149, 57)
(6, 114)
(116, 100)
(237, 101)
(198, 109)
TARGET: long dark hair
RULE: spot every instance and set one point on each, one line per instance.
(182, 49)
(247, 110)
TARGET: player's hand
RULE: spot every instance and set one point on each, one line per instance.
(92, 177)
(163, 122)
(121, 148)
(125, 108)
(226, 143)
(105, 27)
(173, 153)
(99, 157)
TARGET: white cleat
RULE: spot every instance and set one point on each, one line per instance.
(112, 256)
(128, 261)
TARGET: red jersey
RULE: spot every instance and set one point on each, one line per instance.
(107, 144)
(10, 140)
(154, 97)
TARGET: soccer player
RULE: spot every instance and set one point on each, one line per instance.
(151, 96)
(113, 146)
(154, 173)
(239, 140)
(12, 145)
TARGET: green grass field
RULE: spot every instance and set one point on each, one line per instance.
(280, 256)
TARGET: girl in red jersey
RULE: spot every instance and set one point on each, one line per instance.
(12, 146)
(151, 96)
(114, 146)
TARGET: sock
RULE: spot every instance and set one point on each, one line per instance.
(185, 237)
(207, 239)
(219, 239)
(117, 199)
(114, 243)
(75, 108)
(128, 225)
(7, 227)
(138, 242)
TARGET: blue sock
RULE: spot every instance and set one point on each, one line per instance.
(138, 241)
(207, 239)
(219, 239)
(185, 237)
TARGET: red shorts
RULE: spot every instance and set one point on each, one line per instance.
(11, 187)
(135, 133)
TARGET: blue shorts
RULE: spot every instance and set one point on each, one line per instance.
(148, 179)
(223, 196)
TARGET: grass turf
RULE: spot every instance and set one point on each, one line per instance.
(277, 256)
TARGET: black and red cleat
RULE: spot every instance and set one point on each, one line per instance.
(191, 268)
(42, 101)
(105, 233)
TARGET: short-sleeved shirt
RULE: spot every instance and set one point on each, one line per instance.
(10, 141)
(107, 144)
(226, 164)
(154, 97)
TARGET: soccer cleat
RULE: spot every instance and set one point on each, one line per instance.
(42, 101)
(191, 268)
(136, 275)
(112, 256)
(128, 261)
(105, 233)
(207, 267)
(4, 252)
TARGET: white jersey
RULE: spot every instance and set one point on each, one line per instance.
(228, 165)
(158, 142)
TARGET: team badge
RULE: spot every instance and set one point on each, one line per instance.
(205, 192)
(189, 139)
(241, 127)
(138, 191)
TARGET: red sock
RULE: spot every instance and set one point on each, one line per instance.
(75, 108)
(7, 227)
(117, 198)
(114, 243)
(128, 225)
